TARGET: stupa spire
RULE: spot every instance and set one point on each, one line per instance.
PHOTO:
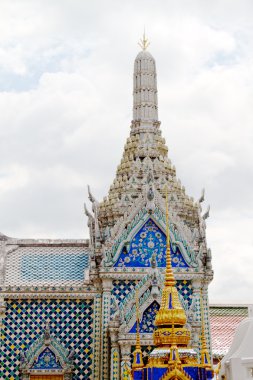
(144, 42)
(145, 87)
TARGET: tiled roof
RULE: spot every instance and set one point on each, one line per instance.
(46, 265)
(3, 237)
(224, 319)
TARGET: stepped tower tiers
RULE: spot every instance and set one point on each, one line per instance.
(145, 152)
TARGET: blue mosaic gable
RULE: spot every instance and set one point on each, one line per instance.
(53, 267)
(46, 360)
(149, 240)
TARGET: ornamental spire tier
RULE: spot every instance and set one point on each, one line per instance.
(145, 155)
(145, 107)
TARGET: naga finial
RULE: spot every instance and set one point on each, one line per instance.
(144, 42)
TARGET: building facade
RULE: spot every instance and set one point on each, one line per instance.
(67, 307)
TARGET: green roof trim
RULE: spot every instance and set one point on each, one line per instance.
(216, 311)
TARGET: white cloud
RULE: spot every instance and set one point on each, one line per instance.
(13, 177)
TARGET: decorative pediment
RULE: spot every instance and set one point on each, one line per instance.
(148, 244)
(46, 356)
(47, 360)
(143, 236)
(175, 374)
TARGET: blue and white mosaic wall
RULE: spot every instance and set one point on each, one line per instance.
(184, 288)
(71, 322)
(121, 288)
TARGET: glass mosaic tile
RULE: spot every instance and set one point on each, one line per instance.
(71, 323)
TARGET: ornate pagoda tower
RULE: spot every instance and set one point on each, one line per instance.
(67, 306)
(128, 237)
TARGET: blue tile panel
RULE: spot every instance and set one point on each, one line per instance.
(149, 240)
(46, 265)
(71, 322)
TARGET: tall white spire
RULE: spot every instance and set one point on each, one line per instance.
(145, 88)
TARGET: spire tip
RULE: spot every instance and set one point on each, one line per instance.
(144, 42)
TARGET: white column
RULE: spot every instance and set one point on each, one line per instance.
(125, 349)
(206, 317)
(115, 353)
(196, 324)
(106, 300)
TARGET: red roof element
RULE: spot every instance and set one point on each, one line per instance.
(224, 321)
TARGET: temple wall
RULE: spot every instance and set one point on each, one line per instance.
(71, 322)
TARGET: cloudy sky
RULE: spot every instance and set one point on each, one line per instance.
(65, 110)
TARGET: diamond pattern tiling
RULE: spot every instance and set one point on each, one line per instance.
(71, 322)
(121, 288)
(185, 289)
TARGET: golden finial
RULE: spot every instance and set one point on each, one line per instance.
(138, 360)
(138, 339)
(205, 358)
(144, 42)
(171, 316)
(169, 275)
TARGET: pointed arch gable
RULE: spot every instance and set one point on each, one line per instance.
(176, 374)
(128, 228)
(46, 354)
